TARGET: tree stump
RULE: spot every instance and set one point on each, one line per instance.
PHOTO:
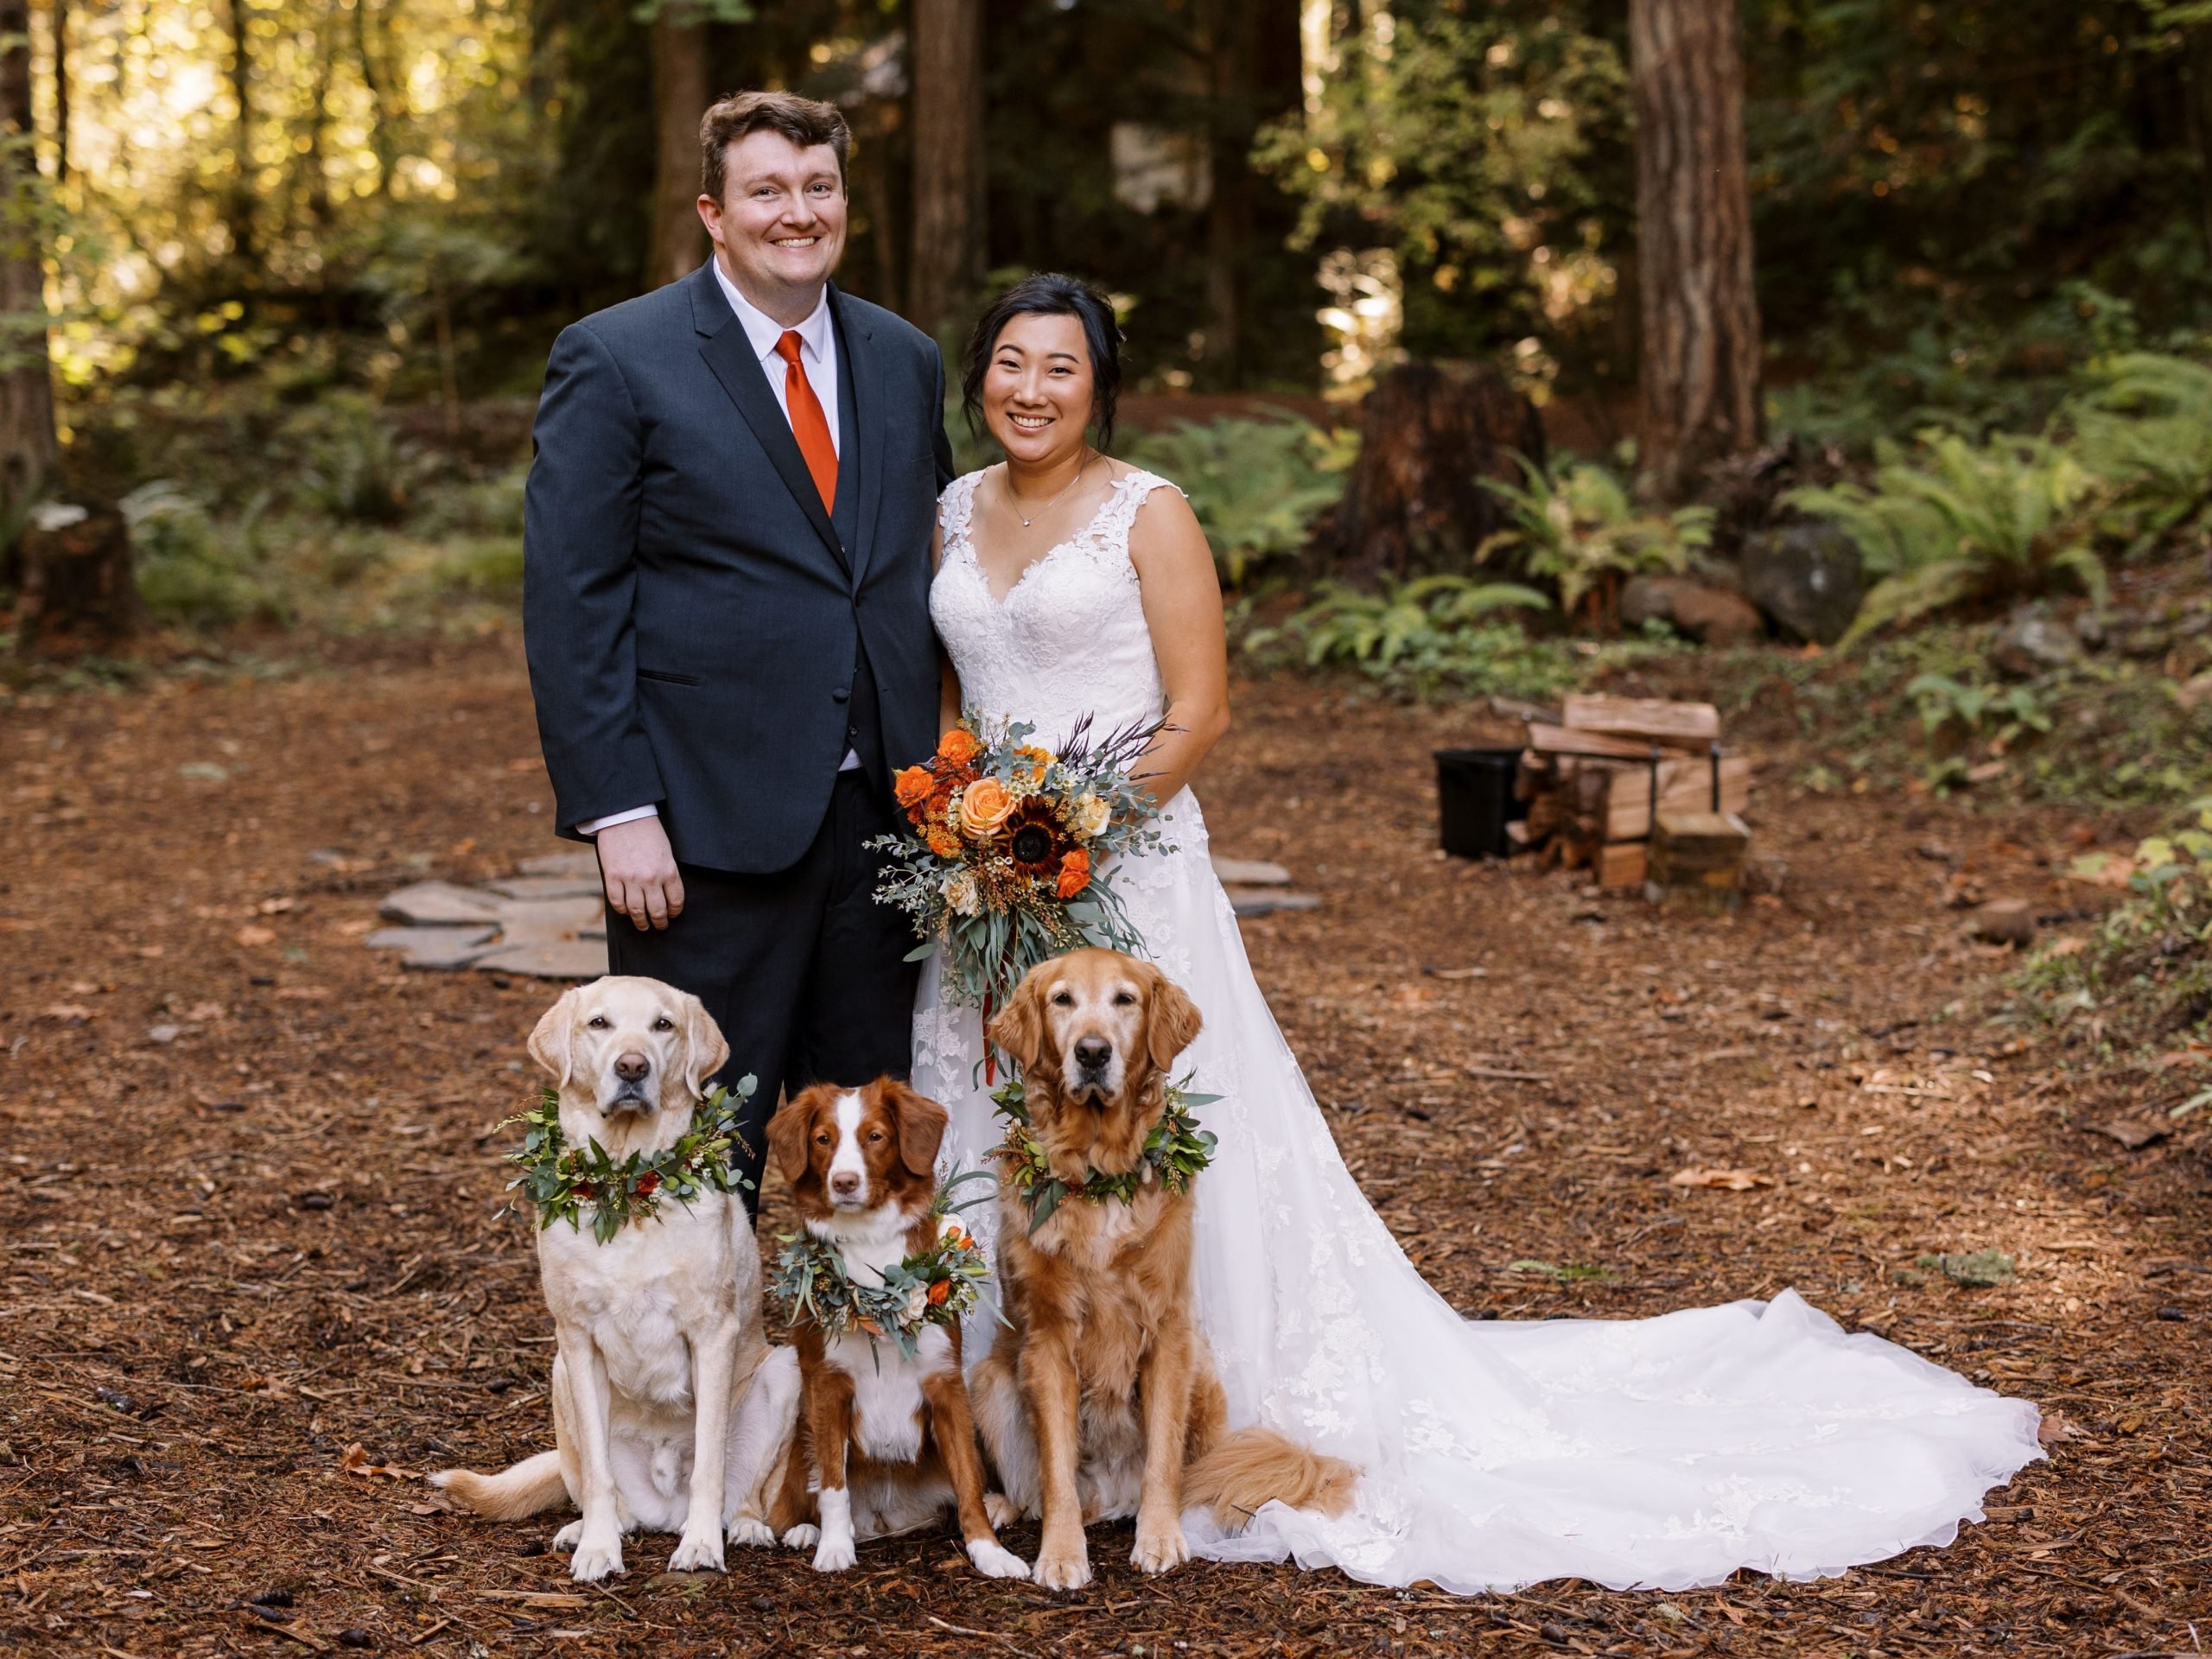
(1413, 502)
(77, 579)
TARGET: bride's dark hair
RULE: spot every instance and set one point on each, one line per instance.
(1048, 294)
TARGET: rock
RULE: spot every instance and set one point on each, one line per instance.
(1248, 872)
(1807, 577)
(2005, 921)
(1710, 615)
(567, 959)
(550, 887)
(2030, 643)
(431, 904)
(2174, 1315)
(1980, 1270)
(436, 947)
(2089, 629)
(1248, 902)
(579, 866)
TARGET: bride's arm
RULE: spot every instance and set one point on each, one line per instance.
(948, 682)
(1182, 607)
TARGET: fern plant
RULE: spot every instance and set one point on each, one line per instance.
(1578, 528)
(2146, 425)
(1958, 520)
(1255, 485)
(1350, 626)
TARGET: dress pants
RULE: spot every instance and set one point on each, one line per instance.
(803, 970)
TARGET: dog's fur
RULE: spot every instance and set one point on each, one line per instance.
(669, 1410)
(1101, 1400)
(890, 1440)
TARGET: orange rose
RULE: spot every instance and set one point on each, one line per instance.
(984, 805)
(958, 746)
(1075, 874)
(912, 786)
(939, 1291)
(942, 841)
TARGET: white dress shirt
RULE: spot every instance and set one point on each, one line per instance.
(818, 355)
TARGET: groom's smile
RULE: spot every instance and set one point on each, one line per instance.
(779, 229)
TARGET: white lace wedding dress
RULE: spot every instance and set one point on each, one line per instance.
(1660, 1453)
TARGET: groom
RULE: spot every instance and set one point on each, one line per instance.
(726, 611)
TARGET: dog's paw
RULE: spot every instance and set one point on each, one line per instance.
(1000, 1509)
(1063, 1569)
(835, 1554)
(565, 1539)
(701, 1554)
(1160, 1548)
(805, 1535)
(994, 1561)
(751, 1532)
(596, 1562)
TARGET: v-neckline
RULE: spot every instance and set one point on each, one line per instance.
(1000, 602)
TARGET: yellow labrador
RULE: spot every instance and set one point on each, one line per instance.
(670, 1411)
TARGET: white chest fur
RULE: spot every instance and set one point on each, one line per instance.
(641, 1294)
(887, 1385)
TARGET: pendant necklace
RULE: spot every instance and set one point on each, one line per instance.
(1054, 502)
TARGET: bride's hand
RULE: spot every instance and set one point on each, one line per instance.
(639, 868)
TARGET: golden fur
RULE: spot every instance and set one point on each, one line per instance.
(1101, 1399)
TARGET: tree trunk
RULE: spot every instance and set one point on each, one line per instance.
(382, 143)
(948, 75)
(77, 580)
(678, 242)
(28, 449)
(238, 203)
(1232, 61)
(1700, 354)
(1414, 501)
(60, 92)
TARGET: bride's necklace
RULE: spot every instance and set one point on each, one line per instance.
(1014, 500)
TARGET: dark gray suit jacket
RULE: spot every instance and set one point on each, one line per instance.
(693, 618)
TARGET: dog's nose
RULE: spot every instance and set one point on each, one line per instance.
(632, 1067)
(1092, 1053)
(845, 1183)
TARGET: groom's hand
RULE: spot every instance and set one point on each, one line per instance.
(640, 869)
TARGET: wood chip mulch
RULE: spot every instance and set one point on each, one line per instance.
(259, 1279)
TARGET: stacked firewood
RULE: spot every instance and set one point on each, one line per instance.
(1635, 789)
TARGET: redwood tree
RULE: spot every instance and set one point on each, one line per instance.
(28, 449)
(1700, 358)
(679, 241)
(947, 267)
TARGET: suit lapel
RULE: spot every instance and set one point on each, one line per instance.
(862, 440)
(729, 354)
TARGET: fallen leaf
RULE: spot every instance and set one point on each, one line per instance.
(74, 1014)
(355, 1461)
(276, 907)
(2134, 1132)
(1732, 1180)
(253, 933)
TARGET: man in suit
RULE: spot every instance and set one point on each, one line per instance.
(726, 611)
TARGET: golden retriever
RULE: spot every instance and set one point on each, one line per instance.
(1101, 1400)
(669, 1410)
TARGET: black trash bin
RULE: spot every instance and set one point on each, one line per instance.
(1474, 793)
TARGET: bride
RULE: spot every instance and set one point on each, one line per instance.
(1663, 1453)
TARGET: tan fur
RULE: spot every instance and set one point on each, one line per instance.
(670, 1411)
(1101, 1400)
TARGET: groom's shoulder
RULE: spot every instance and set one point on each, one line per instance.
(641, 323)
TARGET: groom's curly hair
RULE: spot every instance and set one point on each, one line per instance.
(1049, 294)
(802, 120)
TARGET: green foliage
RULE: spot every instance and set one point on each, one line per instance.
(354, 470)
(1955, 520)
(2145, 427)
(1945, 701)
(1255, 485)
(1577, 527)
(1347, 625)
(189, 572)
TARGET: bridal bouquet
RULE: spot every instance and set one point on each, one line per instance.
(1001, 866)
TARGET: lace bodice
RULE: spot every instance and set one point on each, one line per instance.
(1069, 638)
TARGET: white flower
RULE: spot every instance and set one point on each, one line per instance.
(1091, 816)
(961, 893)
(918, 1303)
(947, 1224)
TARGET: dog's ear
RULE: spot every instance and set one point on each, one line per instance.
(921, 1123)
(551, 1044)
(1020, 1029)
(1171, 1020)
(704, 1049)
(787, 1133)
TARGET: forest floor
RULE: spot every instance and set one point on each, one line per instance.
(259, 1278)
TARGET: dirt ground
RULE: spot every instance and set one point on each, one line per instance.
(252, 1211)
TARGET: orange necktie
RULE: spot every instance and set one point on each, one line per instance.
(808, 425)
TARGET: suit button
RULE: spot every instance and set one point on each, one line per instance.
(840, 694)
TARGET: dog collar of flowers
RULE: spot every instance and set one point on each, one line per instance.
(562, 1179)
(1175, 1151)
(936, 1286)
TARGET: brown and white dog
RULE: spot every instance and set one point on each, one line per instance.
(1101, 1400)
(668, 1408)
(890, 1441)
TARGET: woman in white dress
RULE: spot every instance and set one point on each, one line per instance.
(1663, 1453)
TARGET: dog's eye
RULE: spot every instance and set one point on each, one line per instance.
(1124, 999)
(663, 1024)
(1062, 1000)
(821, 1137)
(597, 1022)
(875, 1134)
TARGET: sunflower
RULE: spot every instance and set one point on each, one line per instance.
(1035, 837)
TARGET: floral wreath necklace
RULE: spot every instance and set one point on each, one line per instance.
(935, 1285)
(562, 1179)
(1175, 1151)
